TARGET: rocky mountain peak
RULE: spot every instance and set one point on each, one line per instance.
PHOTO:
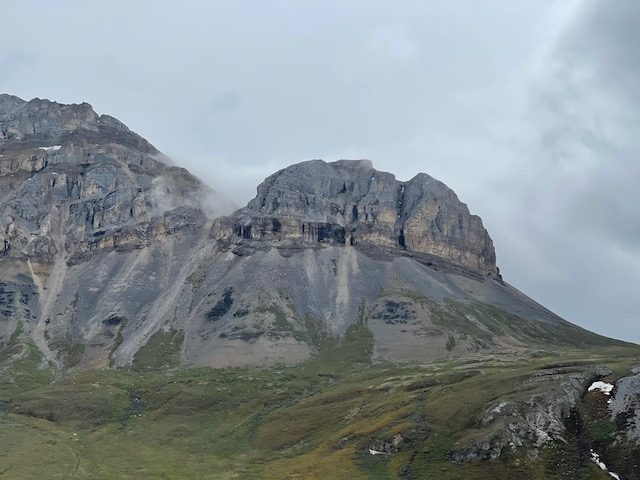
(8, 103)
(43, 123)
(73, 182)
(348, 202)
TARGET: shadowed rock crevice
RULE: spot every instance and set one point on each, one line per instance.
(221, 308)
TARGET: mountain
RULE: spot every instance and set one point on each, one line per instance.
(94, 223)
(122, 273)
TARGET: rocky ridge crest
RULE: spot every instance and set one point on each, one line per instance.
(73, 181)
(350, 203)
(41, 122)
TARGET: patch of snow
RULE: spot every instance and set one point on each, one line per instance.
(602, 386)
(375, 452)
(596, 459)
(500, 406)
(55, 148)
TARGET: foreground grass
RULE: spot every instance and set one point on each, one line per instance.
(316, 420)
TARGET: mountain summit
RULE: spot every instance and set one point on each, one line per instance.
(76, 189)
(350, 203)
(40, 123)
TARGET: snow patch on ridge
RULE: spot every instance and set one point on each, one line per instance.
(596, 459)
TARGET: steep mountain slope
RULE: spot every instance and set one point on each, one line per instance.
(373, 307)
(105, 244)
(326, 245)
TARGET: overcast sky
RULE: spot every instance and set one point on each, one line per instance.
(528, 109)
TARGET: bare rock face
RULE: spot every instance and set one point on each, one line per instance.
(42, 122)
(351, 203)
(72, 182)
(625, 405)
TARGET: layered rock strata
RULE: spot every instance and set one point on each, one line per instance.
(72, 181)
(351, 203)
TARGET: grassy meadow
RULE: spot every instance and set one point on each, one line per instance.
(317, 420)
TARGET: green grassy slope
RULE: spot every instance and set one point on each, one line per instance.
(315, 420)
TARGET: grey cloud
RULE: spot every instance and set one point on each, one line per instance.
(225, 102)
(604, 120)
(608, 206)
(607, 36)
(13, 63)
(585, 149)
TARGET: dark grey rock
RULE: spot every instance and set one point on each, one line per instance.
(42, 123)
(625, 403)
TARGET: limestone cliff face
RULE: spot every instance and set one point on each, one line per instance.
(72, 181)
(41, 122)
(351, 203)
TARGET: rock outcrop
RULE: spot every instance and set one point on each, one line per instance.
(351, 203)
(40, 123)
(625, 405)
